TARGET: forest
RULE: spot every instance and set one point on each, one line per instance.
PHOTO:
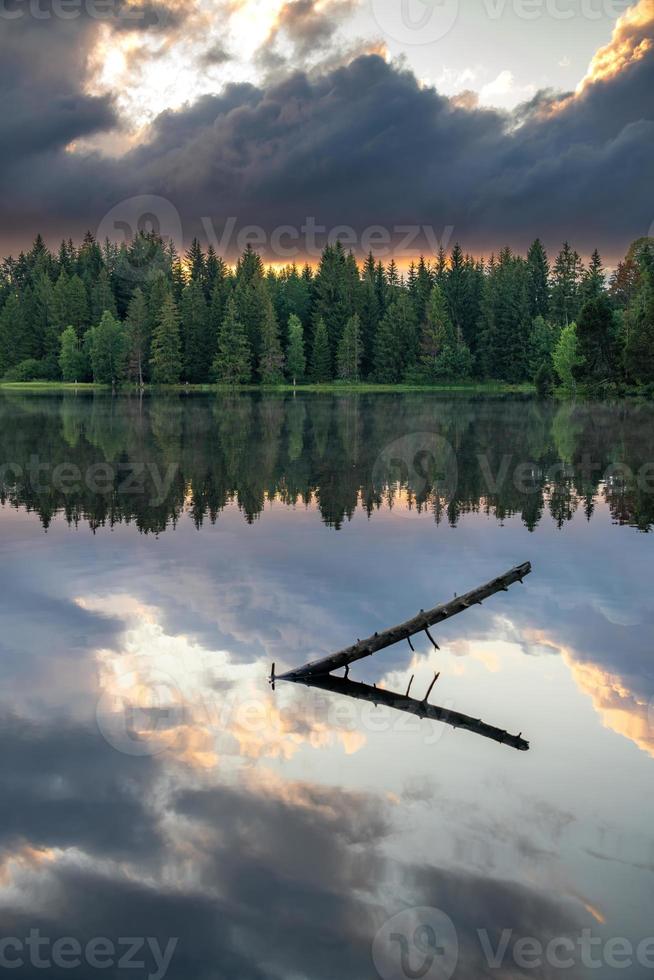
(140, 313)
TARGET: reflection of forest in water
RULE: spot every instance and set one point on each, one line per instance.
(148, 460)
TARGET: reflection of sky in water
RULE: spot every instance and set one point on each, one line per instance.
(275, 833)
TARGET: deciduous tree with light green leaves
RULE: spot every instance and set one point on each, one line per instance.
(72, 359)
(108, 349)
(565, 356)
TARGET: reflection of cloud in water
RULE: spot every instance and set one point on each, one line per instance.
(166, 693)
(620, 708)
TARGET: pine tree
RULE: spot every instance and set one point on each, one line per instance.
(332, 292)
(232, 363)
(538, 283)
(137, 336)
(443, 353)
(593, 284)
(321, 359)
(195, 333)
(395, 344)
(566, 281)
(295, 359)
(271, 359)
(165, 358)
(371, 312)
(437, 330)
(350, 351)
(108, 348)
(72, 359)
(102, 297)
(195, 263)
(251, 294)
(157, 292)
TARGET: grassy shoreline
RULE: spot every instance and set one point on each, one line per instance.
(490, 387)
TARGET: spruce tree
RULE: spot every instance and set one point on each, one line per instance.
(395, 344)
(232, 363)
(333, 301)
(195, 333)
(566, 282)
(137, 336)
(538, 283)
(165, 358)
(295, 359)
(350, 351)
(639, 346)
(271, 358)
(321, 360)
(593, 284)
(102, 297)
(14, 337)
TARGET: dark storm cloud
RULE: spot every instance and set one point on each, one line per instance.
(42, 106)
(62, 785)
(361, 145)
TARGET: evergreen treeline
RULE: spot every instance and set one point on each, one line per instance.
(140, 313)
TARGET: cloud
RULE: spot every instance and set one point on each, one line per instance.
(62, 786)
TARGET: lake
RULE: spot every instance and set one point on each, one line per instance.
(162, 806)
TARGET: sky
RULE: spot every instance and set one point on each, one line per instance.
(393, 125)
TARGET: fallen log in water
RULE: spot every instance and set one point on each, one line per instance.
(419, 624)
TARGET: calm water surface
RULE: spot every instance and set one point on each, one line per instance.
(157, 554)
